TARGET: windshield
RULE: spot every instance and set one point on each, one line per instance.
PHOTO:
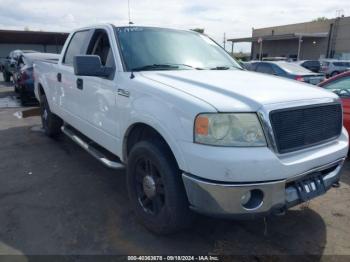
(165, 49)
(294, 68)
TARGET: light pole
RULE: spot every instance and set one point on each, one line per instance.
(260, 41)
(299, 47)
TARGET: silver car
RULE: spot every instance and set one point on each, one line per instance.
(334, 67)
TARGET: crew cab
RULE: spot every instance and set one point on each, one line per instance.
(195, 132)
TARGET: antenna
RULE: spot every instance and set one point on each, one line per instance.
(132, 76)
(129, 16)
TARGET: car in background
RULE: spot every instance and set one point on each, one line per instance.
(10, 62)
(340, 85)
(334, 67)
(275, 58)
(23, 75)
(287, 70)
(312, 65)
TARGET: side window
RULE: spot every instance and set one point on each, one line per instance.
(307, 64)
(76, 46)
(277, 70)
(20, 61)
(265, 68)
(101, 47)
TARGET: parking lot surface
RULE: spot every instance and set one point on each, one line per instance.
(56, 199)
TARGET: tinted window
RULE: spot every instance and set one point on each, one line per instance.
(341, 87)
(343, 64)
(76, 46)
(311, 63)
(277, 70)
(265, 68)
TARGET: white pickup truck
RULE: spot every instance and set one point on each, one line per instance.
(194, 131)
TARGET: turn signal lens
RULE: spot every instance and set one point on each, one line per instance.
(202, 125)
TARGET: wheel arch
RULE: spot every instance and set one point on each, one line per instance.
(41, 90)
(142, 131)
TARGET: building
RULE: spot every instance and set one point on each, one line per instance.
(48, 42)
(311, 40)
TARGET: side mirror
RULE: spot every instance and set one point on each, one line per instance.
(90, 65)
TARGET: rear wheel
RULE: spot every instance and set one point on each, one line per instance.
(156, 190)
(23, 96)
(50, 122)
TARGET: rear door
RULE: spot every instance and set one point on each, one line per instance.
(69, 93)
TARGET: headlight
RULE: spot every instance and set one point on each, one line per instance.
(240, 129)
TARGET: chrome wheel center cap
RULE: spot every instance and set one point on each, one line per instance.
(149, 186)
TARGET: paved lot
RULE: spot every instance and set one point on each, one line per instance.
(57, 199)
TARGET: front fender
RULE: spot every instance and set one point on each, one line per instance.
(169, 136)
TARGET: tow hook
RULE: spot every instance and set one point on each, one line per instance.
(279, 211)
(336, 184)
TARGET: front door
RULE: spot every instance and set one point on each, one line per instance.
(100, 94)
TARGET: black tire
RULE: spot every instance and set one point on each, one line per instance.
(7, 76)
(334, 73)
(23, 96)
(168, 211)
(50, 122)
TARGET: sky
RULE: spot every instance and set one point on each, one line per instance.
(236, 18)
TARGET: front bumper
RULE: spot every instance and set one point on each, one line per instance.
(227, 199)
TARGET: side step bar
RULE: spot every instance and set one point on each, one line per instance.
(90, 148)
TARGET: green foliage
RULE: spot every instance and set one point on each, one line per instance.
(320, 19)
(198, 30)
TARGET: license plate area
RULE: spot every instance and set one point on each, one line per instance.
(310, 187)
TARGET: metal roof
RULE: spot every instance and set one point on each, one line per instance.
(279, 37)
(32, 37)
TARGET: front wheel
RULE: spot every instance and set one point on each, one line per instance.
(7, 76)
(156, 190)
(23, 96)
(50, 122)
(334, 73)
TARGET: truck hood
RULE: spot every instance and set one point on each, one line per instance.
(236, 90)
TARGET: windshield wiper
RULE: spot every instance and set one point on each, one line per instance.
(197, 68)
(220, 68)
(166, 66)
(155, 67)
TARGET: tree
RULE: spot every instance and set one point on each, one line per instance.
(320, 19)
(198, 30)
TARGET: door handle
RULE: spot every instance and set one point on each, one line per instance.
(59, 77)
(80, 84)
(123, 92)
